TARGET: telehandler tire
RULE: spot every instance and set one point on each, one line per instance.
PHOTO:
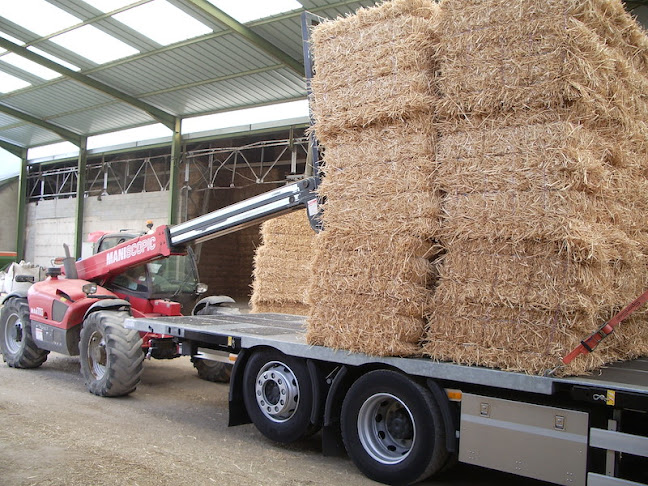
(16, 343)
(111, 355)
(208, 370)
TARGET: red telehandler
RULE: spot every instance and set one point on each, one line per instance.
(80, 309)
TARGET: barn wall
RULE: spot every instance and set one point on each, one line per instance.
(50, 223)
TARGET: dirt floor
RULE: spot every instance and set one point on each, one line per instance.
(171, 431)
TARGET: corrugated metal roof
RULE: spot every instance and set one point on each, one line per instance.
(220, 71)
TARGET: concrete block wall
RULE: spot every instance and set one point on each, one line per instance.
(51, 223)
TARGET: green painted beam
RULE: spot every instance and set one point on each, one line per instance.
(69, 135)
(247, 33)
(80, 197)
(21, 227)
(161, 116)
(14, 149)
(176, 153)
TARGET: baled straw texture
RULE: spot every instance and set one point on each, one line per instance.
(373, 67)
(373, 99)
(546, 59)
(282, 265)
(364, 299)
(527, 341)
(543, 131)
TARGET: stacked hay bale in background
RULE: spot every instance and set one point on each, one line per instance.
(541, 160)
(282, 265)
(372, 101)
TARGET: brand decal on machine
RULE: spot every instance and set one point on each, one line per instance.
(37, 311)
(131, 250)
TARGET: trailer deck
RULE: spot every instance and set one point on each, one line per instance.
(287, 334)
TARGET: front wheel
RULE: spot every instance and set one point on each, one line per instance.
(208, 370)
(393, 429)
(111, 355)
(278, 396)
(16, 343)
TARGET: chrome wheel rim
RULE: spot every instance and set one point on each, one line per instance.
(277, 391)
(386, 428)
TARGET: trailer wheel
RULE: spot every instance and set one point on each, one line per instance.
(208, 370)
(16, 343)
(111, 355)
(278, 396)
(393, 429)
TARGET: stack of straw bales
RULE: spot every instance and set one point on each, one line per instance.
(542, 123)
(372, 101)
(282, 265)
(485, 181)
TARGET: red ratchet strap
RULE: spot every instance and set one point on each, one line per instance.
(587, 345)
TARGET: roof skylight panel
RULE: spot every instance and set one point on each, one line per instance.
(38, 16)
(9, 83)
(162, 22)
(94, 44)
(29, 66)
(249, 10)
(108, 5)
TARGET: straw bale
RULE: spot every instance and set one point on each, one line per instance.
(352, 326)
(368, 290)
(414, 213)
(282, 265)
(293, 308)
(528, 341)
(556, 156)
(608, 18)
(561, 62)
(532, 275)
(374, 66)
(578, 221)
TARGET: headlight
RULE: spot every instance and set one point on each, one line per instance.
(89, 289)
(201, 288)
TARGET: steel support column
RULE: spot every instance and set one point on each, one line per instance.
(176, 154)
(80, 196)
(22, 207)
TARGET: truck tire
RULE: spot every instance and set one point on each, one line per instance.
(214, 371)
(16, 343)
(208, 370)
(111, 355)
(278, 396)
(392, 428)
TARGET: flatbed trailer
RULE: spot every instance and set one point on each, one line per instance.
(404, 419)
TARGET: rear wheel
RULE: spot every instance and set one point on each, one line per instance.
(111, 355)
(393, 429)
(16, 343)
(209, 370)
(278, 396)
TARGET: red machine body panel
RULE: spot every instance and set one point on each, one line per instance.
(60, 302)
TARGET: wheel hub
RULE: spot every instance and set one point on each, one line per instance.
(386, 428)
(97, 356)
(277, 391)
(13, 333)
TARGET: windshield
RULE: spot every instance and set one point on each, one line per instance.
(175, 274)
(170, 276)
